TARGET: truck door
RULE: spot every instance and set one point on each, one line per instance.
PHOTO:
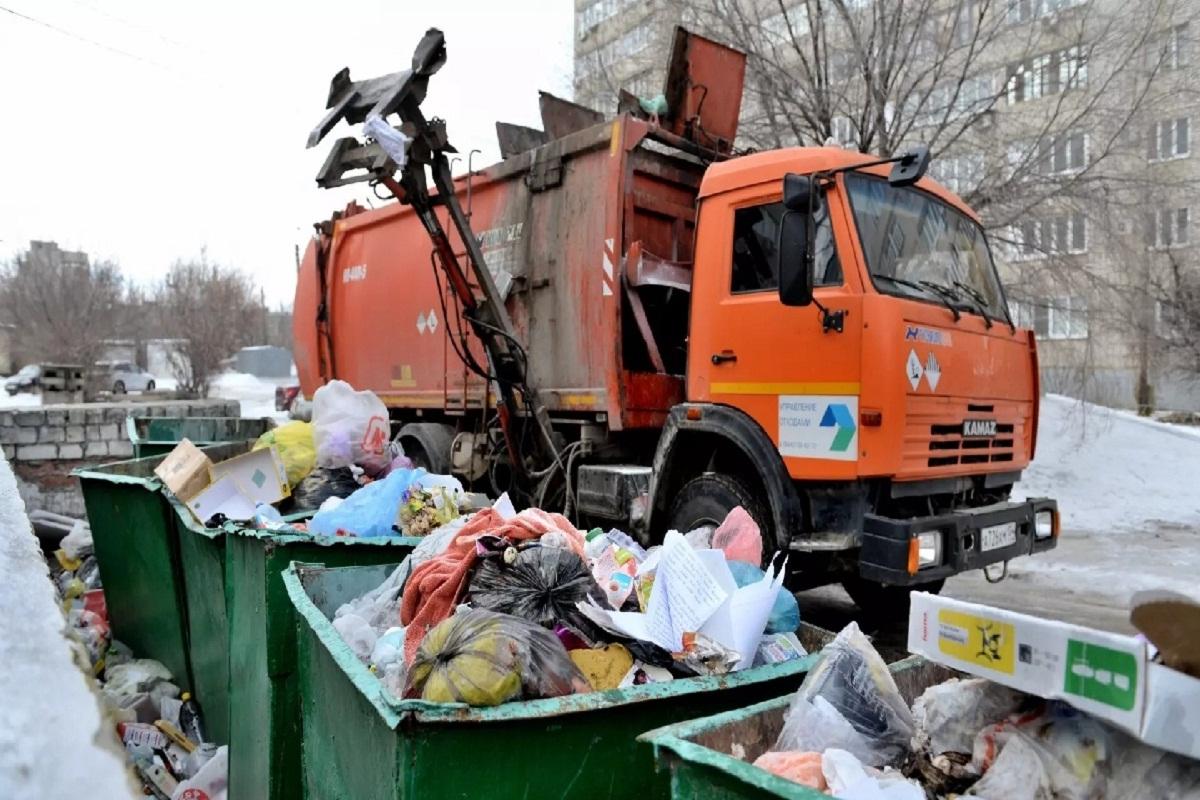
(776, 363)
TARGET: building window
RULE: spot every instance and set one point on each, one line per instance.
(960, 173)
(1020, 11)
(1169, 138)
(1047, 74)
(1167, 227)
(1064, 317)
(1060, 234)
(1175, 50)
(966, 20)
(1059, 155)
(843, 131)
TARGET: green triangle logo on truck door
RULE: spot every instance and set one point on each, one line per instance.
(837, 415)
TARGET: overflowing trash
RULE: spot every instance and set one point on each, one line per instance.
(848, 731)
(160, 726)
(502, 605)
(343, 467)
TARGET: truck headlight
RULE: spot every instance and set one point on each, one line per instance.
(1045, 524)
(929, 549)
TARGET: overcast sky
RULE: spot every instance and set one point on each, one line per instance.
(181, 125)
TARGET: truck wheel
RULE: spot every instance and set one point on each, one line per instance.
(427, 444)
(708, 498)
(885, 601)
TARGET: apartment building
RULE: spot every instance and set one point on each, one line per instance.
(1068, 123)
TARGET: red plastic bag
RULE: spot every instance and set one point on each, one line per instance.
(739, 537)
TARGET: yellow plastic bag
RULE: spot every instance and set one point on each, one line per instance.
(294, 443)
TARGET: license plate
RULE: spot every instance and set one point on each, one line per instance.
(993, 537)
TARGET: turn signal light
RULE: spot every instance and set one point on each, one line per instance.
(871, 418)
(693, 414)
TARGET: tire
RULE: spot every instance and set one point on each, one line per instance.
(149, 386)
(119, 387)
(708, 498)
(427, 444)
(888, 602)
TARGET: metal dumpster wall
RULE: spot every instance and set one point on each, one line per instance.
(581, 745)
(265, 741)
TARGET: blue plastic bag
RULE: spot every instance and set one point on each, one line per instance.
(370, 511)
(785, 614)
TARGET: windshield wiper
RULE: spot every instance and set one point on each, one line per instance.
(978, 299)
(927, 288)
(949, 297)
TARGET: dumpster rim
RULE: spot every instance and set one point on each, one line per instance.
(421, 711)
(675, 738)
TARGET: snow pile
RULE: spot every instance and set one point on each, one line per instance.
(257, 395)
(52, 743)
(1112, 471)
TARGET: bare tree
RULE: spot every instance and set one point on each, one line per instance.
(63, 306)
(212, 310)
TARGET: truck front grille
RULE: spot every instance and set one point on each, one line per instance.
(947, 446)
(934, 441)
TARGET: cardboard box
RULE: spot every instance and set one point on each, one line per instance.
(260, 474)
(1107, 675)
(185, 470)
(222, 496)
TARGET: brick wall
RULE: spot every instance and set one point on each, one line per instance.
(44, 444)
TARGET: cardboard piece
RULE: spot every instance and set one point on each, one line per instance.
(260, 474)
(222, 496)
(185, 470)
(1104, 674)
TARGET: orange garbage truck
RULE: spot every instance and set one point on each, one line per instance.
(628, 320)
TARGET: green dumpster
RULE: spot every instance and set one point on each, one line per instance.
(264, 746)
(153, 436)
(360, 743)
(136, 532)
(697, 755)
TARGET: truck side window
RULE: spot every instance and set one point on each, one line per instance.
(755, 232)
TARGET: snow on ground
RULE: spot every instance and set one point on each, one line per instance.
(1112, 471)
(52, 741)
(21, 400)
(257, 395)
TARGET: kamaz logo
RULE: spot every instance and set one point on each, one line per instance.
(979, 427)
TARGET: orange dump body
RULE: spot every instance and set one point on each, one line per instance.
(554, 225)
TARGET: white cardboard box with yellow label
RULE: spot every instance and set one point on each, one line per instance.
(1105, 674)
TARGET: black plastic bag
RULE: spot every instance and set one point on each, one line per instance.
(322, 484)
(539, 584)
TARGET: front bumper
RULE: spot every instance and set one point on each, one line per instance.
(886, 542)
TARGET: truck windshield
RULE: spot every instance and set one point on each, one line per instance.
(917, 246)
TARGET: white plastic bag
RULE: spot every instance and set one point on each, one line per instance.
(848, 779)
(350, 428)
(211, 781)
(949, 714)
(852, 679)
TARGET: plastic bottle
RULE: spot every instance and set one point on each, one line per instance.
(190, 721)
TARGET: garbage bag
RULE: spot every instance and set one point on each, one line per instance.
(785, 614)
(948, 715)
(1073, 748)
(848, 779)
(541, 584)
(852, 680)
(294, 443)
(350, 427)
(739, 537)
(803, 768)
(322, 484)
(371, 511)
(483, 658)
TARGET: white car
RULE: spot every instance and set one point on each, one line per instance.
(124, 376)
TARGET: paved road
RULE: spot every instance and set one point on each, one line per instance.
(1089, 579)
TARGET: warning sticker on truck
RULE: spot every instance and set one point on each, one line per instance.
(818, 426)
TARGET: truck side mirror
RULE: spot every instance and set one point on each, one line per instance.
(795, 259)
(910, 168)
(798, 194)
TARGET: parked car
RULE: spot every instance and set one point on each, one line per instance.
(125, 376)
(27, 379)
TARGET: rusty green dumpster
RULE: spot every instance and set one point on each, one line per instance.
(697, 756)
(154, 436)
(264, 742)
(136, 533)
(361, 743)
